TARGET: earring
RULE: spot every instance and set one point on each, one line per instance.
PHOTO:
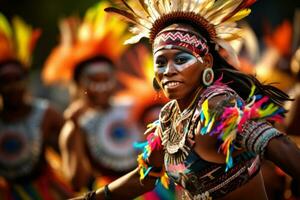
(208, 76)
(155, 85)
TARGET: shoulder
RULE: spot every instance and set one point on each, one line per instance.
(220, 96)
(47, 112)
(74, 110)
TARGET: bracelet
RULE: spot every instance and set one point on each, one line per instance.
(90, 195)
(107, 193)
(255, 136)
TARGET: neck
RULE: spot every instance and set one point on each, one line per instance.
(189, 101)
(13, 106)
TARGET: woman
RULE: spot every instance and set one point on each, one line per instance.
(96, 140)
(186, 37)
(28, 126)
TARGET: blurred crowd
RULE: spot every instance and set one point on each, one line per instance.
(98, 97)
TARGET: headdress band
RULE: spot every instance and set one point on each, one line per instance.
(182, 39)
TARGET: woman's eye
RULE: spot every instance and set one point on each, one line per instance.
(160, 63)
(181, 60)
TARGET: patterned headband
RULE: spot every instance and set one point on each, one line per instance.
(181, 39)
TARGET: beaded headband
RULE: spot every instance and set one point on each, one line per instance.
(181, 39)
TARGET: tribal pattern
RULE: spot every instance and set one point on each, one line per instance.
(181, 38)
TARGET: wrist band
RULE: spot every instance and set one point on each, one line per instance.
(107, 193)
(255, 136)
(90, 195)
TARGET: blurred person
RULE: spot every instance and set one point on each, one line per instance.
(28, 125)
(291, 123)
(96, 140)
(269, 68)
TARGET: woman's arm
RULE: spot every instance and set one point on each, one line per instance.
(285, 154)
(75, 164)
(52, 124)
(128, 186)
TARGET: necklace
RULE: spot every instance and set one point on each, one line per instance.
(175, 135)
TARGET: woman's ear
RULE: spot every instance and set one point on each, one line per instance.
(208, 60)
(156, 85)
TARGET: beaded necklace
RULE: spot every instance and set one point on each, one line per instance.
(178, 127)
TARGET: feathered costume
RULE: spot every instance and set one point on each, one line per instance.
(237, 123)
(23, 169)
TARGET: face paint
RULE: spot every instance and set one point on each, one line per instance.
(100, 86)
(181, 62)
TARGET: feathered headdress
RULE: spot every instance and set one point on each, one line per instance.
(17, 40)
(216, 18)
(139, 58)
(96, 35)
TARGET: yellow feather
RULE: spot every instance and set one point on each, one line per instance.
(240, 15)
(22, 36)
(5, 26)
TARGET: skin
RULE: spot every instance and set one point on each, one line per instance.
(187, 72)
(16, 106)
(76, 164)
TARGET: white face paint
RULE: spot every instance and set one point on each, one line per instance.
(97, 67)
(99, 77)
(181, 61)
(102, 86)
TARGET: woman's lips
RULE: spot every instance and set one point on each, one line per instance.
(171, 84)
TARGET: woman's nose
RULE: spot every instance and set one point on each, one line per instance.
(170, 69)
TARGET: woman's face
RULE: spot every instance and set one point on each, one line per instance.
(12, 81)
(177, 72)
(98, 82)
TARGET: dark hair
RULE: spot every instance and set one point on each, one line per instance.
(242, 83)
(82, 65)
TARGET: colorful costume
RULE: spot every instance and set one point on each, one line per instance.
(22, 160)
(239, 124)
(24, 172)
(175, 133)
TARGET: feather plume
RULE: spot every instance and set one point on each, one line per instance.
(18, 40)
(214, 15)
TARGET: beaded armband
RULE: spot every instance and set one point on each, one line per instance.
(255, 136)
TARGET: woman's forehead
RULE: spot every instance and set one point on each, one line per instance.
(170, 52)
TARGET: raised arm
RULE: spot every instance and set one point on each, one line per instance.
(75, 164)
(285, 154)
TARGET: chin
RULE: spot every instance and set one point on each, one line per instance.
(172, 96)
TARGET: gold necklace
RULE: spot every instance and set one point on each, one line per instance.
(174, 137)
